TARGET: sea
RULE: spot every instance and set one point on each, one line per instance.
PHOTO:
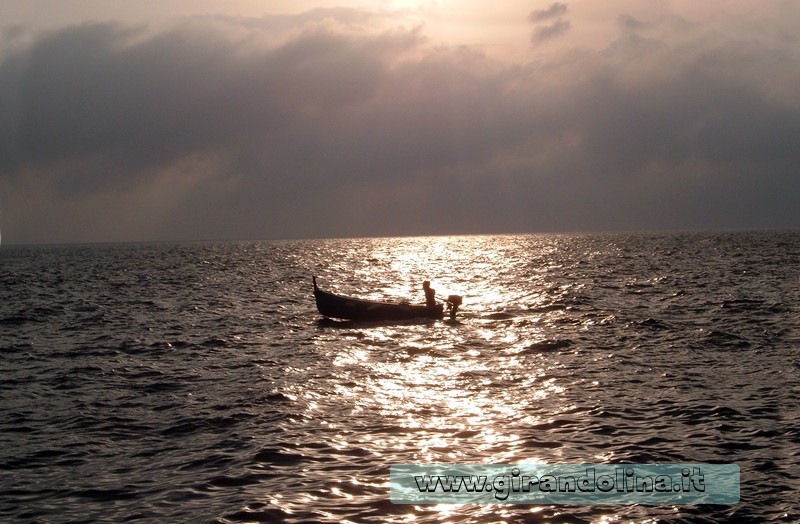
(196, 382)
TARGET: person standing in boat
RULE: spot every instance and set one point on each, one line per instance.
(430, 294)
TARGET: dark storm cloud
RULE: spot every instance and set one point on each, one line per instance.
(316, 126)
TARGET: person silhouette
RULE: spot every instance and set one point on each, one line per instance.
(430, 294)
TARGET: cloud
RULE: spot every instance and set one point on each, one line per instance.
(340, 123)
(552, 30)
(557, 27)
(555, 10)
(629, 22)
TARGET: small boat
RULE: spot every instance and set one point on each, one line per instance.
(345, 308)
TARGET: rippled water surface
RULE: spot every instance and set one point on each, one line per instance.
(178, 382)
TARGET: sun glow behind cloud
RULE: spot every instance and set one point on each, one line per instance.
(396, 118)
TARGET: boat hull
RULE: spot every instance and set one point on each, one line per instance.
(346, 308)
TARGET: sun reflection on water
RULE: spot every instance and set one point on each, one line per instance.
(469, 391)
(454, 406)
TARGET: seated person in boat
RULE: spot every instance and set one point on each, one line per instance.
(430, 294)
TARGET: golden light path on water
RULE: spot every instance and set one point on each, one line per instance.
(439, 392)
(499, 385)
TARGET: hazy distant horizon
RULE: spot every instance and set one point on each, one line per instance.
(440, 235)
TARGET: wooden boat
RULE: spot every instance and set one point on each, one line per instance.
(337, 306)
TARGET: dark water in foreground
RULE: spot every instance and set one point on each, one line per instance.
(195, 382)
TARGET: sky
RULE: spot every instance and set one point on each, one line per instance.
(246, 119)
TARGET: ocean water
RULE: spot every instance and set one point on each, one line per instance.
(196, 382)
